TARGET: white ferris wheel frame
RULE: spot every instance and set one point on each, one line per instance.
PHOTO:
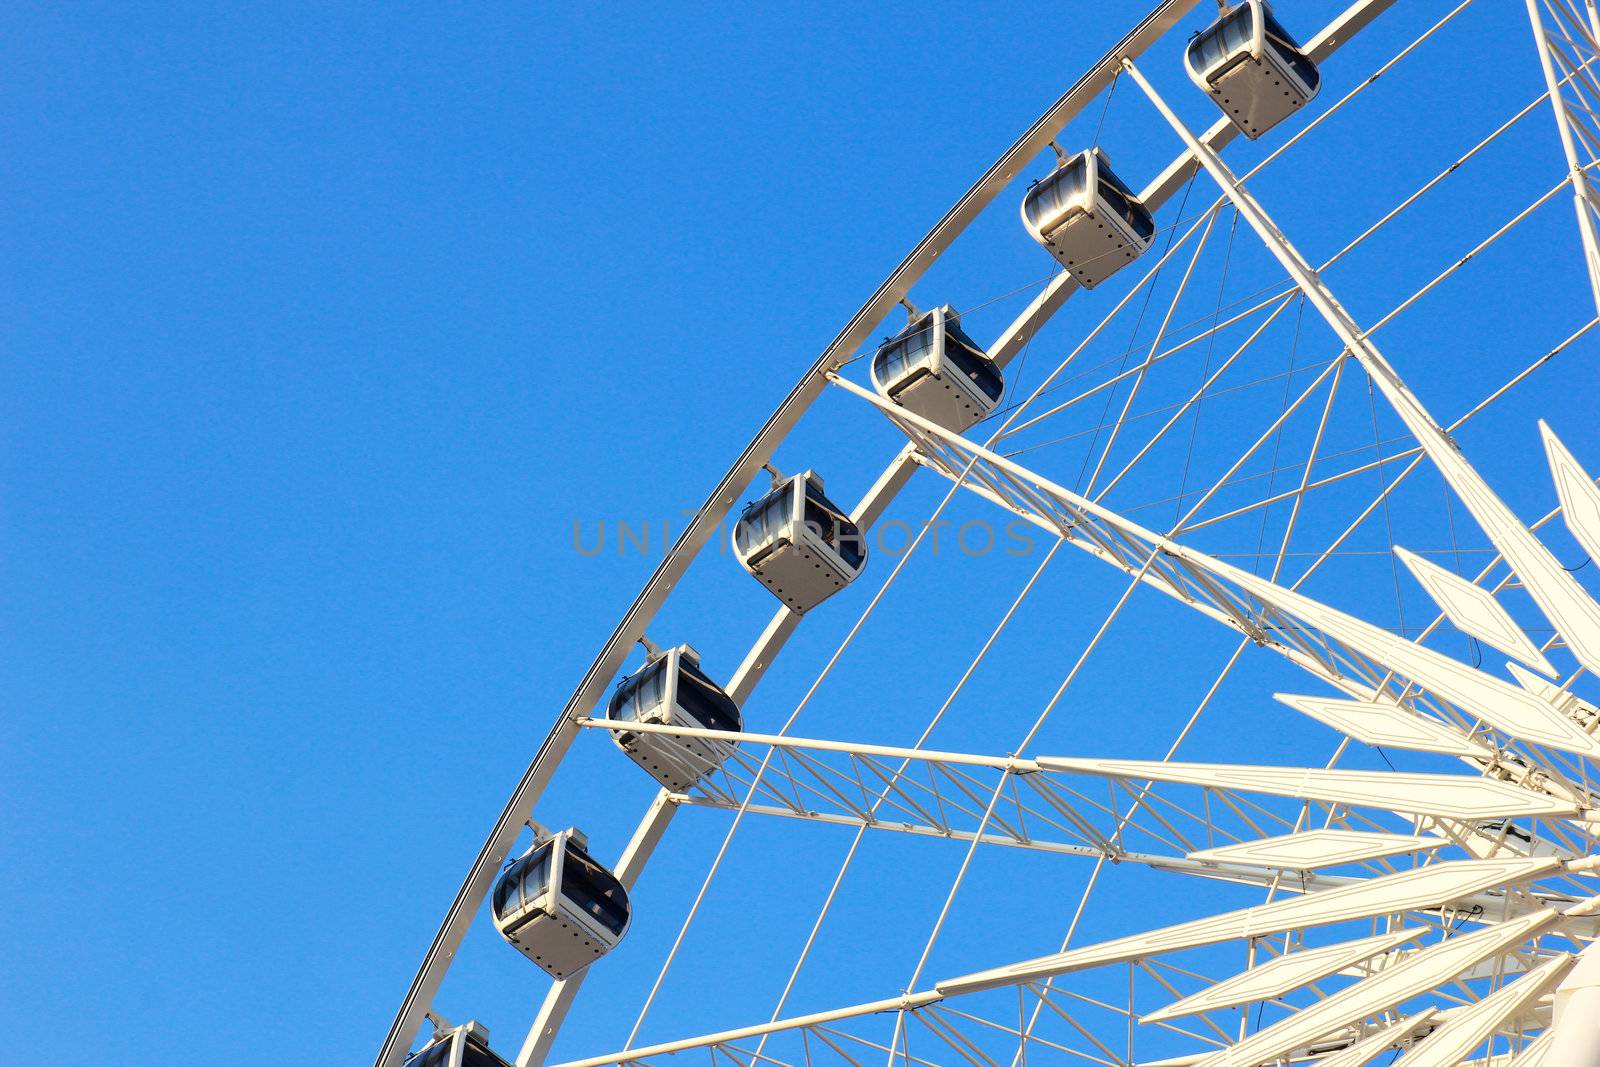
(1023, 492)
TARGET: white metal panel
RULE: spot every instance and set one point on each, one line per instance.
(1467, 1029)
(1379, 723)
(1539, 687)
(1445, 795)
(1474, 610)
(1279, 976)
(1580, 499)
(1499, 703)
(1421, 887)
(1536, 1053)
(1584, 714)
(1421, 972)
(1323, 847)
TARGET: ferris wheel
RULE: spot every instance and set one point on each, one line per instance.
(1183, 784)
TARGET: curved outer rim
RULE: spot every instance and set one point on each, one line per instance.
(479, 880)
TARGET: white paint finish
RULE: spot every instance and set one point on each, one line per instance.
(1575, 1032)
(1312, 849)
(1277, 977)
(1379, 723)
(1423, 887)
(1445, 795)
(1580, 499)
(1392, 986)
(1474, 610)
(1498, 703)
(1467, 1029)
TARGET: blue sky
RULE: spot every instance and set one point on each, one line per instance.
(327, 325)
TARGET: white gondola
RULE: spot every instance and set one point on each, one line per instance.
(559, 907)
(671, 690)
(460, 1046)
(1087, 218)
(934, 369)
(1252, 68)
(798, 544)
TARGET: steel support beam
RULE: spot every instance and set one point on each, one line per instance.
(475, 887)
(1556, 591)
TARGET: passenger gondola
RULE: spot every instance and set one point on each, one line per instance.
(460, 1046)
(559, 907)
(934, 369)
(671, 690)
(798, 543)
(1252, 68)
(1087, 218)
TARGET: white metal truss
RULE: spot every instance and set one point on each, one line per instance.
(1363, 661)
(1514, 946)
(1472, 889)
(1045, 806)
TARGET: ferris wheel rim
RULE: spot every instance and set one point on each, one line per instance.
(661, 583)
(474, 887)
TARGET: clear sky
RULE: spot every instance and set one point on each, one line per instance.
(328, 328)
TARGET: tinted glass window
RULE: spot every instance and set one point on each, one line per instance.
(1289, 51)
(594, 891)
(1276, 31)
(523, 881)
(954, 332)
(436, 1055)
(920, 342)
(1048, 201)
(852, 546)
(653, 687)
(900, 355)
(702, 698)
(1122, 204)
(842, 534)
(821, 520)
(623, 704)
(890, 361)
(536, 875)
(505, 892)
(764, 520)
(1304, 69)
(1228, 36)
(975, 365)
(638, 696)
